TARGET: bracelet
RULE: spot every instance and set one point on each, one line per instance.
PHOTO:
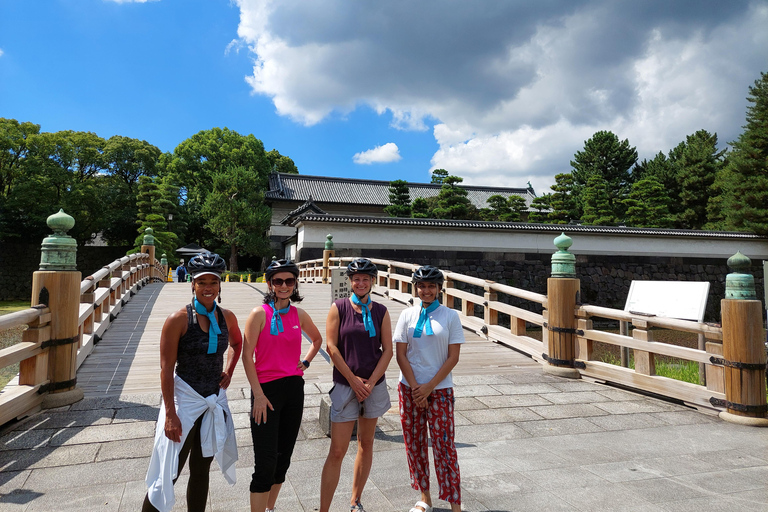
(305, 363)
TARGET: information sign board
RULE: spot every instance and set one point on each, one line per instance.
(685, 300)
(339, 284)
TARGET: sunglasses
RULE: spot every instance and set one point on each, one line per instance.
(279, 282)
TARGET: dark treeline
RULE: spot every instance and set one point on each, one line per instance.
(692, 186)
(209, 190)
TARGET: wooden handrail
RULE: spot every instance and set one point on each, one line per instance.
(483, 293)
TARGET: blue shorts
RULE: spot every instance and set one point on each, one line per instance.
(345, 407)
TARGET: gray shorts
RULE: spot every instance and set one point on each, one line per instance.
(345, 407)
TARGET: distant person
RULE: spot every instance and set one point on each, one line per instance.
(427, 339)
(275, 370)
(195, 421)
(181, 272)
(359, 341)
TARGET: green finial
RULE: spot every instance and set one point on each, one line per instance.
(164, 260)
(563, 262)
(148, 238)
(59, 250)
(739, 284)
(329, 242)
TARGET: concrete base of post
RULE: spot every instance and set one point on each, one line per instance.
(325, 416)
(743, 420)
(562, 371)
(54, 400)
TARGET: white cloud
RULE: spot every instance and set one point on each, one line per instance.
(387, 153)
(514, 91)
(1, 52)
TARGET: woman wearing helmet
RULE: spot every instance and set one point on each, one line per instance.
(359, 341)
(427, 342)
(192, 371)
(275, 369)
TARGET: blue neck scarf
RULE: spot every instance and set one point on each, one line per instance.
(276, 326)
(213, 330)
(423, 323)
(367, 318)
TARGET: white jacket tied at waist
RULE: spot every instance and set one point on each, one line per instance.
(217, 438)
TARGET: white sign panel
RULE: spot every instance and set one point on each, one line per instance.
(672, 299)
(339, 284)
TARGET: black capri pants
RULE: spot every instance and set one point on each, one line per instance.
(273, 441)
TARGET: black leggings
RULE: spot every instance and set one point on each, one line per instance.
(273, 440)
(199, 468)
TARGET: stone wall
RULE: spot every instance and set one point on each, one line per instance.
(605, 280)
(19, 261)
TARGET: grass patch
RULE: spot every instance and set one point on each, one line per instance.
(9, 337)
(678, 369)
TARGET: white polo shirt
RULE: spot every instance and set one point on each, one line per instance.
(428, 353)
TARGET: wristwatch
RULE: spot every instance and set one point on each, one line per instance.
(305, 363)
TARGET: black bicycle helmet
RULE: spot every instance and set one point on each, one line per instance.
(281, 266)
(362, 266)
(428, 274)
(206, 263)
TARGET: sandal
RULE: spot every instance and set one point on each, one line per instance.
(357, 507)
(420, 506)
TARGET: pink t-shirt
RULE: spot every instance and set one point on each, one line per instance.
(277, 356)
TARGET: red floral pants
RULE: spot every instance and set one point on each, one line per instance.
(439, 417)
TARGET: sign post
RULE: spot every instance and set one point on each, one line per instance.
(339, 284)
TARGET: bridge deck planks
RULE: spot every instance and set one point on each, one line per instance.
(127, 359)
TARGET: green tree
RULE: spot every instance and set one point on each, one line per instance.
(236, 212)
(541, 209)
(420, 209)
(744, 199)
(128, 159)
(562, 202)
(698, 164)
(399, 199)
(58, 170)
(610, 159)
(280, 163)
(499, 209)
(198, 159)
(439, 176)
(154, 204)
(452, 201)
(598, 210)
(13, 150)
(648, 205)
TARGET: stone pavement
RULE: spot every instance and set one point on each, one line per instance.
(526, 441)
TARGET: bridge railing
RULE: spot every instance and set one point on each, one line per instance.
(102, 296)
(480, 308)
(67, 318)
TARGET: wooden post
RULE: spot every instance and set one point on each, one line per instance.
(491, 316)
(563, 290)
(561, 324)
(744, 355)
(58, 284)
(328, 253)
(744, 358)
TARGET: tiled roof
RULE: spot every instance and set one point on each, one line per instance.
(307, 207)
(521, 226)
(322, 189)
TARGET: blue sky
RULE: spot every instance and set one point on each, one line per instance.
(500, 95)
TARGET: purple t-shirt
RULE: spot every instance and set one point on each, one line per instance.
(360, 351)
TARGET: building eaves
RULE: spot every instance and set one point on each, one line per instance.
(519, 226)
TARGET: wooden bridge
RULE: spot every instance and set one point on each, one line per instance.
(527, 439)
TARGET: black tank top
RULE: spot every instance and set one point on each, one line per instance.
(198, 368)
